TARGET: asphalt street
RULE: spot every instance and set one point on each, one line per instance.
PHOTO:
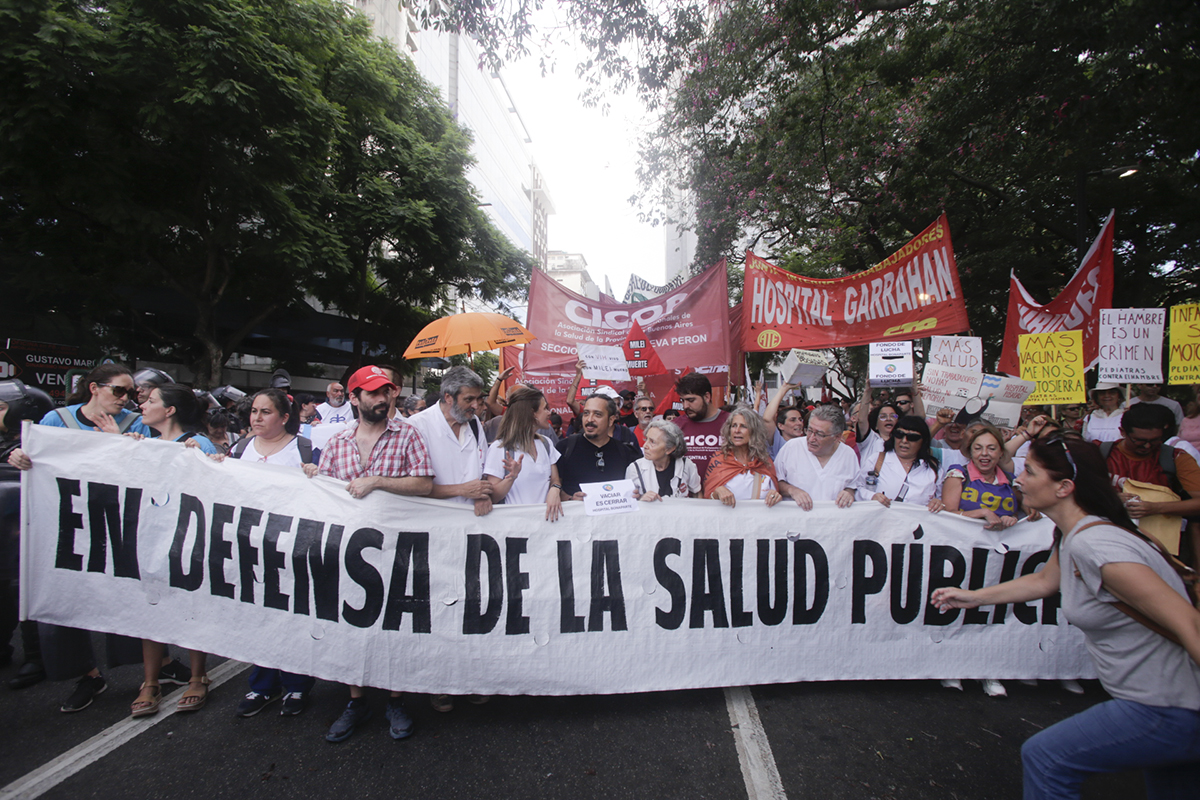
(867, 739)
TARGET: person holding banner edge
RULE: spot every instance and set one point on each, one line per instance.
(1119, 588)
(905, 471)
(742, 469)
(665, 470)
(513, 480)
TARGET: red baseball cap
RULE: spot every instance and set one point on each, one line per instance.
(368, 378)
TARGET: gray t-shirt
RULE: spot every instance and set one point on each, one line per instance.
(1133, 662)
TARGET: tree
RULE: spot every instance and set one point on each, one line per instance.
(210, 148)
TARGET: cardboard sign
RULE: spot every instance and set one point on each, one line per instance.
(1131, 342)
(608, 497)
(1185, 344)
(948, 387)
(604, 362)
(1054, 361)
(993, 398)
(1004, 397)
(960, 352)
(804, 367)
(891, 364)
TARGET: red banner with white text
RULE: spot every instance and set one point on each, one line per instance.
(688, 327)
(911, 294)
(1077, 308)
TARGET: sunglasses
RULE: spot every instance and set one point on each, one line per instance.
(1061, 440)
(908, 436)
(600, 461)
(118, 391)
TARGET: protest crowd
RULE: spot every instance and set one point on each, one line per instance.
(1118, 475)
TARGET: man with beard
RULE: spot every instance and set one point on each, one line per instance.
(377, 452)
(335, 408)
(593, 455)
(701, 421)
(455, 441)
(818, 466)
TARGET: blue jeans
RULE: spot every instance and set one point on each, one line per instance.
(265, 681)
(1112, 737)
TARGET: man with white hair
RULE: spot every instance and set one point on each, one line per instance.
(818, 467)
(335, 409)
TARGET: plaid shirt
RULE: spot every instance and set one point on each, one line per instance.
(399, 453)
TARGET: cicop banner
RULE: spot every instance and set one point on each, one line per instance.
(912, 293)
(1077, 307)
(688, 327)
(1131, 341)
(258, 563)
(1185, 344)
(1054, 361)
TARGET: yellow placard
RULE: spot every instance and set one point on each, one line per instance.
(1185, 345)
(1054, 361)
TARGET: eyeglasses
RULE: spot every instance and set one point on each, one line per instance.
(118, 391)
(908, 436)
(1058, 438)
(600, 461)
(1155, 442)
(813, 433)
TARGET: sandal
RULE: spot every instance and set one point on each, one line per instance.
(196, 695)
(148, 699)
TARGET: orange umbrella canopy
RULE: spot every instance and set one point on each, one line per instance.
(463, 333)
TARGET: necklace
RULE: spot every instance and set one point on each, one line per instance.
(281, 443)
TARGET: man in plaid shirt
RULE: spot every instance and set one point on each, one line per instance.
(380, 452)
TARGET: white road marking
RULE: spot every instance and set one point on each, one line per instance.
(754, 751)
(52, 773)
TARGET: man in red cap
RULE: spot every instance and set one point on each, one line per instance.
(378, 452)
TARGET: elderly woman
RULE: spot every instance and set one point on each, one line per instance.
(906, 471)
(666, 471)
(742, 469)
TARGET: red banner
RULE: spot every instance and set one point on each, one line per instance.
(642, 357)
(1076, 308)
(911, 294)
(688, 327)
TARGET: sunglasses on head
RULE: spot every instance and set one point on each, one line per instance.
(908, 436)
(118, 391)
(1059, 439)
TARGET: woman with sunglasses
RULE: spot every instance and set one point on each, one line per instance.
(97, 404)
(906, 471)
(1115, 585)
(742, 469)
(520, 464)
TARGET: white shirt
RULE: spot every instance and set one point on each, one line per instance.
(1101, 427)
(686, 479)
(743, 485)
(533, 483)
(922, 481)
(289, 456)
(797, 466)
(329, 414)
(455, 459)
(870, 448)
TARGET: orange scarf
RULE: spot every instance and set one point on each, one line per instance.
(721, 468)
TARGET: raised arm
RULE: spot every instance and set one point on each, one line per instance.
(572, 403)
(1034, 586)
(773, 407)
(864, 412)
(493, 398)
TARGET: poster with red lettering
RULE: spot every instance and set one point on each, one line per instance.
(911, 294)
(688, 327)
(1077, 307)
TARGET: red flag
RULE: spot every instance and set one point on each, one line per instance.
(642, 357)
(1076, 308)
(670, 397)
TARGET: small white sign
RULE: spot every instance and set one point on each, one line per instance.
(603, 363)
(608, 497)
(804, 367)
(959, 352)
(891, 364)
(1131, 341)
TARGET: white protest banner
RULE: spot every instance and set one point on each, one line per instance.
(258, 563)
(610, 497)
(1131, 342)
(804, 367)
(960, 352)
(948, 387)
(1004, 396)
(604, 362)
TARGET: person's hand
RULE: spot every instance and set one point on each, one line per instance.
(579, 365)
(1138, 508)
(512, 466)
(105, 422)
(18, 459)
(725, 496)
(648, 497)
(554, 508)
(503, 376)
(1036, 424)
(772, 498)
(310, 470)
(945, 415)
(1033, 516)
(935, 505)
(882, 499)
(846, 498)
(991, 522)
(802, 498)
(137, 437)
(478, 490)
(361, 487)
(949, 597)
(1007, 522)
(578, 495)
(483, 506)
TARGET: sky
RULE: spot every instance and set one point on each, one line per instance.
(588, 159)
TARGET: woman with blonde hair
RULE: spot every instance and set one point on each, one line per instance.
(742, 469)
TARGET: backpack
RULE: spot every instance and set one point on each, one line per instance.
(302, 442)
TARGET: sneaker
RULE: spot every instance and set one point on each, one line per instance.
(354, 715)
(994, 688)
(294, 703)
(85, 691)
(442, 702)
(254, 702)
(400, 724)
(1072, 686)
(952, 683)
(175, 673)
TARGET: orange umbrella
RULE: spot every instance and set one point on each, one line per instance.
(463, 333)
